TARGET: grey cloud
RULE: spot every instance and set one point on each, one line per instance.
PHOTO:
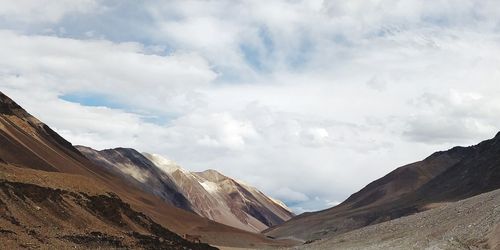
(454, 117)
(433, 129)
(377, 83)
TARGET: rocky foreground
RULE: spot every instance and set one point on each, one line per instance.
(51, 210)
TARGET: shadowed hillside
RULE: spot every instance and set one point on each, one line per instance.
(447, 176)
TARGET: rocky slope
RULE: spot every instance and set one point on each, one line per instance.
(473, 223)
(209, 194)
(140, 171)
(26, 143)
(54, 210)
(446, 176)
(224, 199)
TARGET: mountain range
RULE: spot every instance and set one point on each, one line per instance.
(209, 194)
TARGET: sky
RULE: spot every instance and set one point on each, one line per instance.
(309, 101)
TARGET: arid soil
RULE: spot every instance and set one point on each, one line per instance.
(38, 210)
(473, 223)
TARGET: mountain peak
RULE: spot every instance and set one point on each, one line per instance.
(5, 99)
(497, 136)
(164, 163)
(212, 175)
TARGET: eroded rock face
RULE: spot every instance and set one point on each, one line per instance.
(241, 197)
(209, 193)
(223, 199)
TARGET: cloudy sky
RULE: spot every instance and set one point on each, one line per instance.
(307, 100)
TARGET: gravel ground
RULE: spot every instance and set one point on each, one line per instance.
(473, 223)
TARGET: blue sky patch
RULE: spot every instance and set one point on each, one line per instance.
(100, 100)
(93, 100)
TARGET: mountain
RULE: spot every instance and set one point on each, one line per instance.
(448, 176)
(137, 169)
(109, 207)
(209, 194)
(473, 223)
(41, 209)
(225, 200)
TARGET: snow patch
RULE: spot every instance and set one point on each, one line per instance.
(163, 163)
(210, 186)
(281, 204)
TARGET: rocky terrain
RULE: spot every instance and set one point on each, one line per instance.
(139, 171)
(54, 210)
(472, 223)
(209, 194)
(446, 176)
(224, 199)
(244, 200)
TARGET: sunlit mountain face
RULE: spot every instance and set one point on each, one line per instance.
(208, 194)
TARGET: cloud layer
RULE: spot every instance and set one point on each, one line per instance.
(307, 100)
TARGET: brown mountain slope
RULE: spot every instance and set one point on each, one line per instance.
(42, 209)
(26, 142)
(444, 176)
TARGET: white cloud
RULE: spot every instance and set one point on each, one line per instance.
(119, 70)
(291, 195)
(332, 203)
(315, 136)
(377, 83)
(219, 130)
(452, 117)
(279, 94)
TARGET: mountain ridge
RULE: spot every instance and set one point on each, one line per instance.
(208, 193)
(137, 169)
(444, 176)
